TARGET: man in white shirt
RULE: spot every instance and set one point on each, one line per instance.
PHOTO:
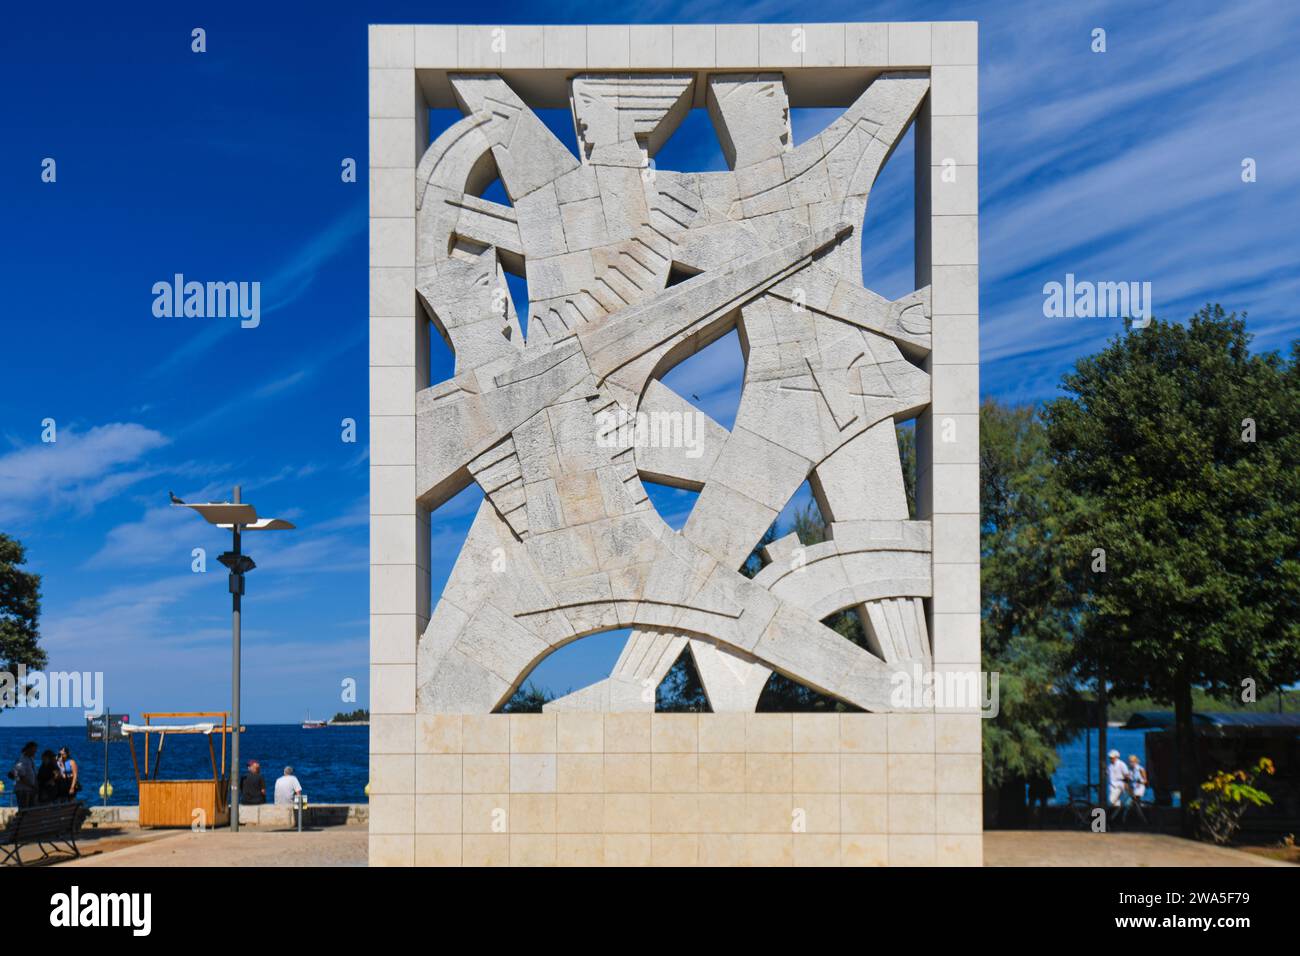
(286, 788)
(1117, 774)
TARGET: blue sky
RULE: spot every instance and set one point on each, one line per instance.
(225, 166)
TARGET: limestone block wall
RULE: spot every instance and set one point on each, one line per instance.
(636, 789)
(873, 788)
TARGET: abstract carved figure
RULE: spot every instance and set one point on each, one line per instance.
(631, 270)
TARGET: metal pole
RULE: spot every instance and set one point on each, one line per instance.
(234, 684)
(108, 720)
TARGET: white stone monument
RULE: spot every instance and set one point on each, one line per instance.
(630, 270)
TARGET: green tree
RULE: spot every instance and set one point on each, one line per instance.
(528, 699)
(1027, 609)
(20, 609)
(681, 691)
(1178, 452)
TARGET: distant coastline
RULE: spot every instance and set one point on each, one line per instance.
(353, 718)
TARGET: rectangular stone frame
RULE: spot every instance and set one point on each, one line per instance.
(903, 788)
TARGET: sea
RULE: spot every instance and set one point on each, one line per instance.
(1080, 754)
(332, 763)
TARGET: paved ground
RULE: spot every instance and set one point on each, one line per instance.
(346, 846)
(334, 846)
(1084, 848)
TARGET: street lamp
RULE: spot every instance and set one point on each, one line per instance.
(238, 517)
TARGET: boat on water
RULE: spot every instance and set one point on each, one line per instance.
(310, 724)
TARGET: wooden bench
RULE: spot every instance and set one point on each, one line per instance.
(45, 827)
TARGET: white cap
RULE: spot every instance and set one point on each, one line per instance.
(1113, 753)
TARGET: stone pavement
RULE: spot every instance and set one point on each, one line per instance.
(1076, 848)
(334, 846)
(346, 846)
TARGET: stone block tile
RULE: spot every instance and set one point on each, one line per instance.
(912, 813)
(674, 849)
(579, 849)
(769, 773)
(674, 813)
(628, 773)
(532, 733)
(485, 849)
(721, 773)
(485, 773)
(627, 813)
(769, 849)
(816, 733)
(675, 773)
(438, 773)
(912, 850)
(674, 733)
(438, 849)
(955, 43)
(722, 849)
(769, 812)
(484, 813)
(580, 813)
(532, 849)
(627, 733)
(485, 733)
(864, 773)
(863, 734)
(959, 849)
(816, 773)
(815, 849)
(722, 733)
(957, 734)
(438, 813)
(532, 813)
(579, 732)
(628, 849)
(532, 773)
(815, 813)
(864, 813)
(769, 733)
(437, 733)
(392, 849)
(864, 849)
(580, 773)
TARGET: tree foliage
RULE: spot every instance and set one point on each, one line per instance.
(1177, 454)
(20, 609)
(1027, 609)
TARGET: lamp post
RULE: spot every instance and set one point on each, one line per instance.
(238, 517)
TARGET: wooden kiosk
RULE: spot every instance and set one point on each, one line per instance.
(171, 803)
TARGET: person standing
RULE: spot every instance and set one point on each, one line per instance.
(1137, 778)
(69, 773)
(286, 788)
(1117, 776)
(24, 776)
(1041, 790)
(47, 779)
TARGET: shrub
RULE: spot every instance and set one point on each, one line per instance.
(1226, 797)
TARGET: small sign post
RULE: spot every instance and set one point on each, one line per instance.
(108, 728)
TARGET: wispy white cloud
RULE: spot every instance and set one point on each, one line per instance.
(287, 285)
(77, 471)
